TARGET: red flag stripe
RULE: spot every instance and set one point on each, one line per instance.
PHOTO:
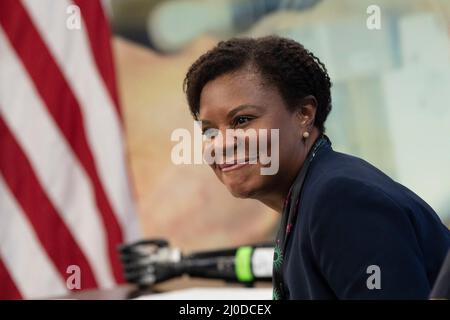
(99, 35)
(54, 89)
(8, 289)
(51, 230)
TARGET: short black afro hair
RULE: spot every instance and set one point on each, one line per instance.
(282, 62)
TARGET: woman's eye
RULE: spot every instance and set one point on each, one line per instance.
(241, 120)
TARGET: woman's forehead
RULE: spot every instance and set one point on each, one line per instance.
(232, 90)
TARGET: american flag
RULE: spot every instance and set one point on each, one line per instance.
(65, 195)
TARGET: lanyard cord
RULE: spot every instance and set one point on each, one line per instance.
(290, 211)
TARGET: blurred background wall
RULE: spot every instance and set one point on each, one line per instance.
(391, 95)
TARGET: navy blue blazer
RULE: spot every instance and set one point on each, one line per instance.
(361, 235)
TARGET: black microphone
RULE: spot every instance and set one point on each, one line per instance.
(148, 262)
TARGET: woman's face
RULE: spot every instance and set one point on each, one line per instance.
(241, 100)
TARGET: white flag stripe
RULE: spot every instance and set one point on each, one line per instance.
(71, 51)
(16, 232)
(53, 161)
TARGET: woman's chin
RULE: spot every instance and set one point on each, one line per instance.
(242, 191)
(243, 184)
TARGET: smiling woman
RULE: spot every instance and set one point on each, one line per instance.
(340, 216)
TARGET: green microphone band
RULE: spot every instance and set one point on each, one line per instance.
(243, 264)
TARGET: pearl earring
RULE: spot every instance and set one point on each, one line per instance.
(306, 134)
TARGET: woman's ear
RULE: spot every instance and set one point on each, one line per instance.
(306, 111)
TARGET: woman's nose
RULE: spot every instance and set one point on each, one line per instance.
(229, 146)
(222, 146)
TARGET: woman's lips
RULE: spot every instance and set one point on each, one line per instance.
(226, 167)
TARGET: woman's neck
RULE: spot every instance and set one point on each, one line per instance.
(275, 202)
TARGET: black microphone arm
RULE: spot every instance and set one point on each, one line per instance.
(151, 261)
